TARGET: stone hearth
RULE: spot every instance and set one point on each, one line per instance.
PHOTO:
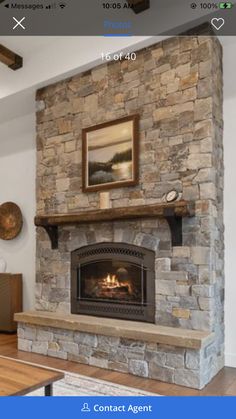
(158, 352)
(176, 88)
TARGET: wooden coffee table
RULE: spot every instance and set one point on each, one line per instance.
(18, 378)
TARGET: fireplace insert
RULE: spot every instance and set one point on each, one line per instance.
(113, 280)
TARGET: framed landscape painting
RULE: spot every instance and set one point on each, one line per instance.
(110, 154)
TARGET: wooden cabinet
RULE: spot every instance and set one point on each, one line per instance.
(10, 300)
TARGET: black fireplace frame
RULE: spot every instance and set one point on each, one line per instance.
(130, 253)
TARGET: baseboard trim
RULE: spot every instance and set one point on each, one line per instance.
(230, 360)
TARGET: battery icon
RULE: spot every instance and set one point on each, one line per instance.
(225, 5)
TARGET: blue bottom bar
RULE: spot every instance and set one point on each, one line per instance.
(118, 407)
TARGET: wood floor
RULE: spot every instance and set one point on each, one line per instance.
(224, 384)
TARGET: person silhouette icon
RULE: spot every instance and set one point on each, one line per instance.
(85, 408)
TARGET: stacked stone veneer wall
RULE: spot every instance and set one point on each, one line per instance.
(176, 88)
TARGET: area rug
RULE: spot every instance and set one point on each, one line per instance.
(79, 385)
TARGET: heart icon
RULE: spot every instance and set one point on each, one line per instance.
(217, 22)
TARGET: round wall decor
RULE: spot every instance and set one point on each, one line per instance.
(10, 221)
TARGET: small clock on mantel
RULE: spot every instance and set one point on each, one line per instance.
(171, 196)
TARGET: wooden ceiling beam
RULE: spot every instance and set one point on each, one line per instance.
(10, 59)
(139, 6)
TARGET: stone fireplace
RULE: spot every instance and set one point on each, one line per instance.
(113, 280)
(125, 292)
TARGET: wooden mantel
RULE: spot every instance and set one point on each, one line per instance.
(172, 212)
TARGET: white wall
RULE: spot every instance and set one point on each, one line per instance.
(230, 200)
(17, 184)
(230, 231)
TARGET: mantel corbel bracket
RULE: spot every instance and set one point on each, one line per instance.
(176, 224)
(53, 235)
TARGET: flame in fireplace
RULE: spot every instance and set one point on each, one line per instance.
(111, 281)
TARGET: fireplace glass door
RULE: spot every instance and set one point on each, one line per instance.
(113, 280)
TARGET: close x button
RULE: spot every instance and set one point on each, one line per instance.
(18, 23)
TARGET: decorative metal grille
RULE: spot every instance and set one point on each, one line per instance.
(114, 309)
(110, 250)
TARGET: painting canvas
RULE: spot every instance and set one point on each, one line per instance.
(110, 154)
